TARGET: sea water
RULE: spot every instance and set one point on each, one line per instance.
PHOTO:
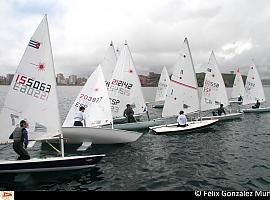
(232, 155)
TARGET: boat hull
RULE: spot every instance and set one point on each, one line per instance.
(236, 102)
(257, 110)
(136, 126)
(77, 135)
(192, 126)
(120, 120)
(49, 164)
(158, 106)
(230, 116)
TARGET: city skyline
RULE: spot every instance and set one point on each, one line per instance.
(81, 32)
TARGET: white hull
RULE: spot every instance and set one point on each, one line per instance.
(77, 135)
(256, 110)
(138, 125)
(192, 126)
(49, 164)
(225, 117)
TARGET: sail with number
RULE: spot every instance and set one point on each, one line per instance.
(163, 84)
(125, 86)
(253, 88)
(214, 91)
(32, 94)
(182, 93)
(94, 97)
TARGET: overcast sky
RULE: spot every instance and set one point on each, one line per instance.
(81, 30)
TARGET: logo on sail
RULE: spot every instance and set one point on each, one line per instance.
(34, 44)
(6, 195)
(40, 66)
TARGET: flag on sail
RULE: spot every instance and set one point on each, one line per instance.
(34, 44)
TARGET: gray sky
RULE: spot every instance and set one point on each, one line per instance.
(81, 30)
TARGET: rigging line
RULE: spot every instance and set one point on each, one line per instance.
(54, 147)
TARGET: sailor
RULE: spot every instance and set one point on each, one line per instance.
(257, 105)
(20, 137)
(240, 98)
(219, 111)
(79, 117)
(182, 119)
(128, 113)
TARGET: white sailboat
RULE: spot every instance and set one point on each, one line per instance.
(32, 96)
(214, 91)
(125, 87)
(254, 91)
(94, 97)
(162, 88)
(108, 64)
(182, 95)
(238, 88)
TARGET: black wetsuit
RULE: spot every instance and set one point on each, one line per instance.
(128, 113)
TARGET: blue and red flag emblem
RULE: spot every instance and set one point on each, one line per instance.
(34, 44)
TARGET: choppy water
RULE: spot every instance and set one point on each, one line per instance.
(233, 155)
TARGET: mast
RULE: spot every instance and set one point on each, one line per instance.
(54, 82)
(186, 40)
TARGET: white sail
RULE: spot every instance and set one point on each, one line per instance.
(253, 88)
(117, 53)
(32, 94)
(94, 97)
(238, 86)
(214, 91)
(182, 93)
(163, 84)
(108, 64)
(125, 86)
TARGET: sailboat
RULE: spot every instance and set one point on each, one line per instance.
(214, 91)
(183, 95)
(125, 87)
(94, 97)
(32, 96)
(108, 64)
(254, 91)
(238, 88)
(162, 88)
